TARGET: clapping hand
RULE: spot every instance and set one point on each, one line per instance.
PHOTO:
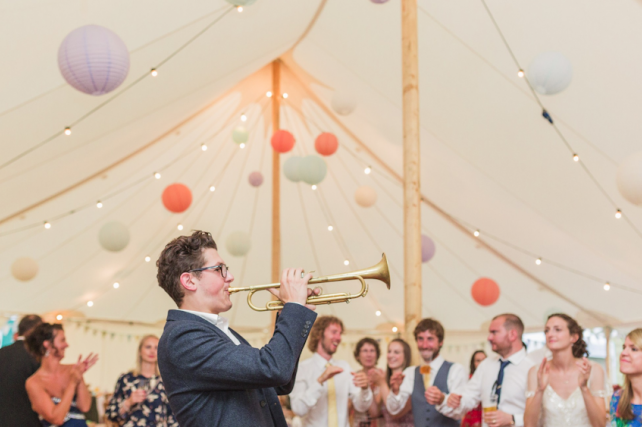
(585, 372)
(454, 400)
(395, 381)
(89, 361)
(434, 396)
(329, 372)
(360, 379)
(542, 375)
(376, 376)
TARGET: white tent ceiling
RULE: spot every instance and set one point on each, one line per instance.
(488, 157)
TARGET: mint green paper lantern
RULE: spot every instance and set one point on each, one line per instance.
(291, 168)
(240, 135)
(312, 169)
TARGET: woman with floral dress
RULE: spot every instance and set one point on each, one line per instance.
(474, 416)
(626, 404)
(140, 399)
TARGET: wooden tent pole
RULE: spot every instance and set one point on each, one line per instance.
(411, 171)
(276, 181)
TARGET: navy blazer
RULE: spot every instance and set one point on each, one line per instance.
(211, 381)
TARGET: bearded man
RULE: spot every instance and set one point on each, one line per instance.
(324, 384)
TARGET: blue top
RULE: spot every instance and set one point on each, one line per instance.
(153, 411)
(74, 417)
(619, 422)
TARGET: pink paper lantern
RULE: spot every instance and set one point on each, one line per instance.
(93, 59)
(256, 179)
(427, 248)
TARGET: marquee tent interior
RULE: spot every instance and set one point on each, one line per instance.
(489, 160)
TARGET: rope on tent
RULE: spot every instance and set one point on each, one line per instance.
(557, 129)
(101, 105)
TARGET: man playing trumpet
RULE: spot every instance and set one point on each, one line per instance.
(212, 375)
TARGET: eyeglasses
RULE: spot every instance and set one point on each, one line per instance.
(221, 267)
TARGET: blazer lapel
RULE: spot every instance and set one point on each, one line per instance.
(239, 337)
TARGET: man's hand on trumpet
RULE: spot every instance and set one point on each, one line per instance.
(294, 287)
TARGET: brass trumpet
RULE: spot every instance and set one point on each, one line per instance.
(380, 271)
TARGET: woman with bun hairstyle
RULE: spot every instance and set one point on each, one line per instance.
(568, 390)
(57, 392)
(626, 405)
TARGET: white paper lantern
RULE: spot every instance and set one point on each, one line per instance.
(114, 236)
(365, 196)
(238, 243)
(240, 135)
(312, 169)
(291, 168)
(93, 59)
(629, 178)
(550, 73)
(343, 102)
(24, 269)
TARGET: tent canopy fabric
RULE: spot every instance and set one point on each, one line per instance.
(489, 160)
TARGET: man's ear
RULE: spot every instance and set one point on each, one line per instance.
(187, 281)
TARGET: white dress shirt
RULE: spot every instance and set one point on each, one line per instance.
(480, 387)
(456, 381)
(309, 399)
(218, 321)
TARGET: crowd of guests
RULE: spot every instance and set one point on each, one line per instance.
(505, 388)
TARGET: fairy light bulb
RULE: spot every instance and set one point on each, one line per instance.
(607, 286)
(239, 9)
(157, 175)
(67, 131)
(203, 147)
(538, 261)
(576, 158)
(242, 145)
(243, 118)
(148, 258)
(314, 187)
(153, 72)
(476, 233)
(394, 329)
(346, 262)
(180, 227)
(90, 303)
(285, 95)
(520, 73)
(59, 317)
(268, 94)
(367, 170)
(618, 214)
(99, 204)
(330, 228)
(116, 285)
(212, 188)
(377, 313)
(47, 225)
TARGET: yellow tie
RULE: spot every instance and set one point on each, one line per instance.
(333, 418)
(425, 371)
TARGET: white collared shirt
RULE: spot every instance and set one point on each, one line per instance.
(480, 386)
(456, 381)
(218, 321)
(309, 399)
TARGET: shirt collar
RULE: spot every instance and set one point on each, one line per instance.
(320, 360)
(517, 358)
(214, 319)
(436, 363)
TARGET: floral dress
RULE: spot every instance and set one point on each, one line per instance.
(619, 422)
(152, 412)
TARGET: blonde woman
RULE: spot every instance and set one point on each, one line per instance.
(140, 398)
(626, 404)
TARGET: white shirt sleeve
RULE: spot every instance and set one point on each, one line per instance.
(396, 402)
(305, 393)
(470, 396)
(361, 399)
(456, 383)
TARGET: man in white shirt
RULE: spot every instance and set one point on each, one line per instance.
(426, 386)
(323, 384)
(501, 377)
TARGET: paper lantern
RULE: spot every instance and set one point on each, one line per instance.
(379, 1)
(177, 198)
(312, 169)
(427, 248)
(550, 73)
(629, 178)
(255, 179)
(114, 236)
(282, 141)
(241, 2)
(93, 59)
(485, 291)
(240, 135)
(326, 144)
(365, 196)
(343, 102)
(238, 243)
(24, 269)
(291, 168)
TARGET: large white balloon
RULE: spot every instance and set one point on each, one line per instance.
(550, 73)
(24, 269)
(343, 102)
(238, 243)
(312, 169)
(629, 178)
(114, 236)
(291, 168)
(365, 196)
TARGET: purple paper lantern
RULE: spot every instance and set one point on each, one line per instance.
(427, 248)
(93, 59)
(256, 179)
(379, 1)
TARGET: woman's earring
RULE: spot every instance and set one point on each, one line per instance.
(47, 353)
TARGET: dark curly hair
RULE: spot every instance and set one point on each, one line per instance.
(580, 348)
(319, 327)
(362, 342)
(39, 335)
(182, 254)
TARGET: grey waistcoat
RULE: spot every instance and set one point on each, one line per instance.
(425, 414)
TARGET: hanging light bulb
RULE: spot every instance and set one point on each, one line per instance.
(242, 145)
(367, 170)
(212, 188)
(346, 262)
(314, 187)
(476, 233)
(99, 204)
(520, 73)
(47, 225)
(243, 118)
(157, 175)
(153, 72)
(607, 286)
(285, 95)
(180, 227)
(538, 261)
(377, 313)
(148, 258)
(59, 317)
(116, 285)
(203, 147)
(67, 131)
(90, 303)
(394, 329)
(618, 214)
(239, 9)
(268, 94)
(330, 228)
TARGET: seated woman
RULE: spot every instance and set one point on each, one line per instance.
(140, 398)
(57, 392)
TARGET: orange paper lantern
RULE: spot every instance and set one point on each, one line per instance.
(177, 198)
(282, 141)
(485, 291)
(326, 144)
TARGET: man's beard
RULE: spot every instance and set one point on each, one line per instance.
(326, 349)
(429, 355)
